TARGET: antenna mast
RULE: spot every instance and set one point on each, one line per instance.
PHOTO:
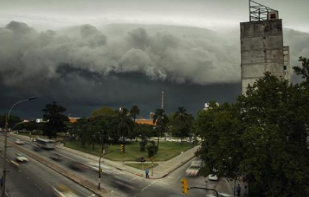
(162, 100)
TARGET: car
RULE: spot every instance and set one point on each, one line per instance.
(56, 157)
(74, 165)
(141, 159)
(213, 177)
(21, 157)
(19, 142)
(194, 168)
(192, 171)
(63, 191)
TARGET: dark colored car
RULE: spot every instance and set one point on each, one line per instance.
(141, 159)
(56, 157)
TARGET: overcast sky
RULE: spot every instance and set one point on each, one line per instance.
(214, 14)
(88, 53)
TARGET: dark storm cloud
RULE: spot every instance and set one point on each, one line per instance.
(28, 54)
(86, 67)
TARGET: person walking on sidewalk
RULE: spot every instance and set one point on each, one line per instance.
(246, 191)
(238, 190)
(147, 173)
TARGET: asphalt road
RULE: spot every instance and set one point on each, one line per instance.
(123, 183)
(34, 179)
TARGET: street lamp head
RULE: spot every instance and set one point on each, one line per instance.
(31, 98)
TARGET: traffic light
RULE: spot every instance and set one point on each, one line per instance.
(184, 184)
(121, 148)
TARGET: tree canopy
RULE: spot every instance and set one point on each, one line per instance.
(262, 136)
(55, 119)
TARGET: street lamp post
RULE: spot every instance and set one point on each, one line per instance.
(5, 142)
(100, 171)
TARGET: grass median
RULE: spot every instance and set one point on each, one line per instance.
(167, 150)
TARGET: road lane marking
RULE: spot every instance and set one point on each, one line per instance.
(13, 162)
(150, 185)
(135, 178)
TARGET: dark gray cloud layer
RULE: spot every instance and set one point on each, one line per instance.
(85, 67)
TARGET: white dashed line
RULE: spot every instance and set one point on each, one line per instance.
(149, 185)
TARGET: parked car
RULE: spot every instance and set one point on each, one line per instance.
(141, 159)
(21, 157)
(213, 177)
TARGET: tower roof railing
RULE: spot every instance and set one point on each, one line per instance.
(259, 12)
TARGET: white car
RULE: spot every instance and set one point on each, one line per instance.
(19, 142)
(213, 177)
(63, 191)
(193, 171)
(21, 158)
(194, 168)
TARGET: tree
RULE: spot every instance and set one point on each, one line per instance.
(125, 125)
(304, 69)
(104, 111)
(160, 119)
(134, 111)
(263, 136)
(79, 130)
(12, 121)
(55, 120)
(182, 123)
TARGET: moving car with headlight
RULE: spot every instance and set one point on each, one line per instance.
(21, 157)
(19, 142)
(194, 168)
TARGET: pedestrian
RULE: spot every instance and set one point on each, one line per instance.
(246, 191)
(238, 190)
(147, 173)
(1, 181)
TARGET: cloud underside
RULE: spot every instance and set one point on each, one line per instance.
(125, 64)
(28, 57)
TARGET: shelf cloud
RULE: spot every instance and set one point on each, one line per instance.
(125, 63)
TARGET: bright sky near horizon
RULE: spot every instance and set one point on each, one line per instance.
(216, 15)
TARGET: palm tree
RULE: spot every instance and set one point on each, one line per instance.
(182, 120)
(125, 124)
(134, 111)
(160, 120)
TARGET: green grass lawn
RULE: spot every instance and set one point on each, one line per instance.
(167, 150)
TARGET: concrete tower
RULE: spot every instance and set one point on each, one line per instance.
(262, 47)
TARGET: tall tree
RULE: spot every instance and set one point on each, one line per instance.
(263, 136)
(125, 125)
(182, 123)
(55, 119)
(134, 111)
(160, 119)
